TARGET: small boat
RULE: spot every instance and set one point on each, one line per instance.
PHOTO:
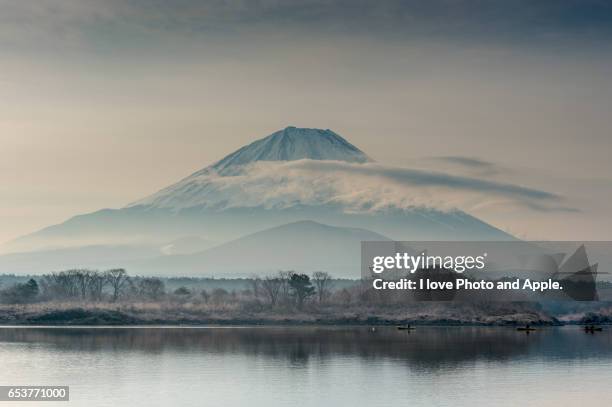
(593, 328)
(405, 327)
(525, 328)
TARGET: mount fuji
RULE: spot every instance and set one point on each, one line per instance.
(204, 189)
(292, 175)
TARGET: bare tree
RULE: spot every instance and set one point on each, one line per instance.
(285, 289)
(118, 280)
(151, 287)
(219, 295)
(82, 281)
(345, 297)
(95, 284)
(272, 287)
(68, 284)
(255, 284)
(322, 282)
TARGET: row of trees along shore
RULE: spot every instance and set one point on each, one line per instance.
(282, 289)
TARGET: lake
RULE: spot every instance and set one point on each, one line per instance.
(311, 366)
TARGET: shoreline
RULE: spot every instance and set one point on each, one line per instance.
(228, 325)
(169, 314)
(80, 317)
(280, 326)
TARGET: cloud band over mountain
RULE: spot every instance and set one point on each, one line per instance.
(357, 187)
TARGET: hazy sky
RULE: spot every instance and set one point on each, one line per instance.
(104, 102)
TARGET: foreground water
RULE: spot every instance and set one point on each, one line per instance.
(311, 366)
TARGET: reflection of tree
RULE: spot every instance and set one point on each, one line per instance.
(422, 349)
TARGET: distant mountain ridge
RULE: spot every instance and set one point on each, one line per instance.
(304, 246)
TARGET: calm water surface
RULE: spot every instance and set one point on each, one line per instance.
(311, 366)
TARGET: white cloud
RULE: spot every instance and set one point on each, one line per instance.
(356, 187)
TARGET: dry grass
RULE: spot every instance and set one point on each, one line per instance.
(171, 312)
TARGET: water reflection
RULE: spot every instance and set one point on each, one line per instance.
(426, 348)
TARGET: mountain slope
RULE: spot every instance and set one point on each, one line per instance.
(304, 246)
(265, 184)
(208, 188)
(137, 225)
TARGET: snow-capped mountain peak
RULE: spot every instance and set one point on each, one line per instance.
(294, 143)
(214, 186)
